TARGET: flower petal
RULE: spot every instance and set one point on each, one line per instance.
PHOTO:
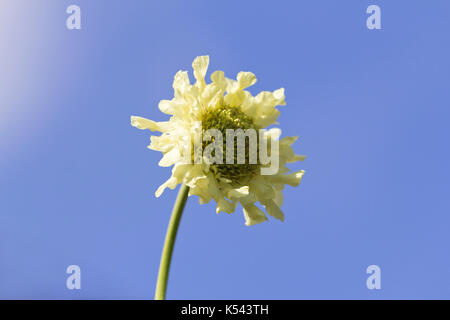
(178, 173)
(170, 158)
(292, 179)
(238, 193)
(181, 83)
(143, 123)
(253, 215)
(274, 210)
(246, 79)
(218, 78)
(200, 65)
(225, 206)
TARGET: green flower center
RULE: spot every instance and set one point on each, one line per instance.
(229, 117)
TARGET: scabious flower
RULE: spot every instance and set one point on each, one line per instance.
(223, 104)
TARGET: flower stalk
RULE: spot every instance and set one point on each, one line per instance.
(164, 267)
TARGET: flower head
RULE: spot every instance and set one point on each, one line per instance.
(248, 172)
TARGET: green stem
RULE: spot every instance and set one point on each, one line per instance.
(171, 234)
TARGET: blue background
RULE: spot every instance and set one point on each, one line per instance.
(77, 182)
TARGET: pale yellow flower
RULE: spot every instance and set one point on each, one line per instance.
(217, 105)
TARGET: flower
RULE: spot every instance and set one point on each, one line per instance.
(223, 104)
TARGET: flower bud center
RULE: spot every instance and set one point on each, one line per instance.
(221, 119)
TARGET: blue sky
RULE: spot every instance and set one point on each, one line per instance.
(77, 181)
